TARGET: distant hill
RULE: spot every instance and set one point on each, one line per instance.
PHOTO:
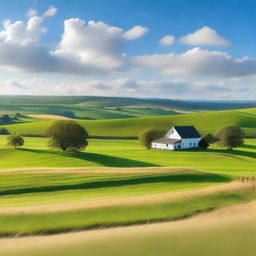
(13, 103)
(204, 122)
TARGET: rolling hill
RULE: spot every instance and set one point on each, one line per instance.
(97, 108)
(132, 127)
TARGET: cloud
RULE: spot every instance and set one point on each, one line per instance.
(20, 32)
(94, 49)
(94, 43)
(126, 87)
(204, 36)
(16, 86)
(167, 40)
(50, 12)
(14, 83)
(31, 12)
(198, 62)
(173, 88)
(135, 32)
(80, 51)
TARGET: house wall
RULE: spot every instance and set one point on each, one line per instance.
(190, 143)
(185, 144)
(172, 134)
(162, 146)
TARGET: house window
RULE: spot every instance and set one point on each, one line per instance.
(190, 144)
(167, 145)
(194, 144)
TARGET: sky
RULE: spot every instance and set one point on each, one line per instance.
(178, 49)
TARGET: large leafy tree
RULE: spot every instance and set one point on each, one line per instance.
(15, 140)
(230, 136)
(67, 135)
(147, 136)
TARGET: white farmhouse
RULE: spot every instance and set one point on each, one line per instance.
(178, 137)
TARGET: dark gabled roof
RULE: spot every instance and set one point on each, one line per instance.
(186, 132)
(167, 141)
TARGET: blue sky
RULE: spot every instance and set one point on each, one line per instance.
(212, 53)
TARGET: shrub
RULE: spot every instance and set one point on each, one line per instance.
(15, 140)
(203, 143)
(230, 137)
(67, 135)
(210, 139)
(149, 135)
(69, 114)
(6, 119)
(4, 131)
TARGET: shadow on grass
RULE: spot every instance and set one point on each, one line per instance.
(249, 146)
(181, 177)
(104, 160)
(234, 152)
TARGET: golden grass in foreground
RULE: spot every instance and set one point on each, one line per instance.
(232, 233)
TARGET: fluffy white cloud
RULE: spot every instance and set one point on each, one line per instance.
(94, 43)
(20, 32)
(199, 62)
(135, 32)
(204, 36)
(92, 48)
(167, 40)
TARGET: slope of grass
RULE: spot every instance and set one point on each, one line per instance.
(53, 187)
(204, 122)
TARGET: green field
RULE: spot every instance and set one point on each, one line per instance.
(73, 186)
(81, 112)
(57, 187)
(129, 153)
(204, 122)
(99, 108)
